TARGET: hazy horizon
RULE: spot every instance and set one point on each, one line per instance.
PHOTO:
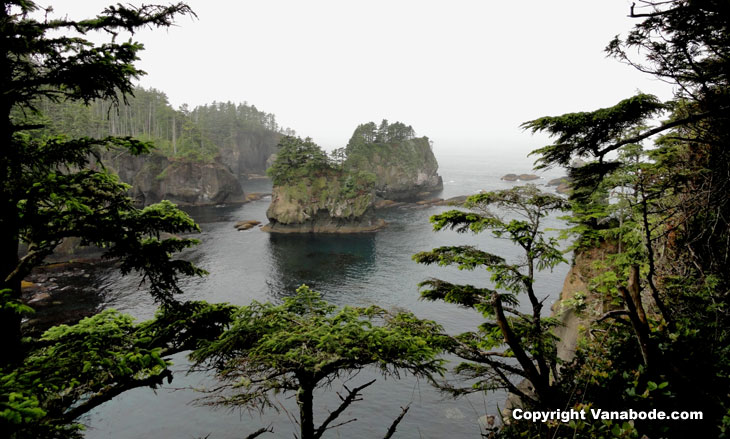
(465, 74)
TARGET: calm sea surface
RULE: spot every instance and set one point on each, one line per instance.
(349, 270)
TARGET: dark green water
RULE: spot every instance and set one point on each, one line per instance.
(352, 269)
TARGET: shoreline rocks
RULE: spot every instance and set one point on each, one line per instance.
(563, 184)
(332, 202)
(330, 225)
(520, 177)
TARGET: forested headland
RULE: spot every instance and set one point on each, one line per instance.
(198, 134)
(199, 154)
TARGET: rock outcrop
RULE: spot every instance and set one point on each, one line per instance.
(404, 170)
(154, 178)
(578, 305)
(520, 177)
(558, 181)
(563, 184)
(322, 204)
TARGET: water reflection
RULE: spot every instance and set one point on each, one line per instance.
(211, 214)
(324, 262)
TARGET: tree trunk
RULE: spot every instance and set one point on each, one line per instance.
(637, 316)
(540, 382)
(305, 400)
(174, 137)
(10, 346)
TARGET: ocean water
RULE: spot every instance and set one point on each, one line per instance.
(360, 269)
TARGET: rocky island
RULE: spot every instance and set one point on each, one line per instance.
(313, 193)
(404, 165)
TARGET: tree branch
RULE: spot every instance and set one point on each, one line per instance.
(346, 401)
(655, 130)
(650, 14)
(106, 395)
(260, 431)
(397, 420)
(514, 343)
(615, 314)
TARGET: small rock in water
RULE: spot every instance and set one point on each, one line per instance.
(255, 196)
(245, 225)
(521, 177)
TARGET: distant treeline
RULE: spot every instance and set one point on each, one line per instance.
(196, 134)
(385, 133)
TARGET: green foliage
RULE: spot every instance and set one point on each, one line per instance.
(592, 133)
(298, 158)
(406, 153)
(53, 186)
(525, 337)
(369, 133)
(305, 343)
(664, 211)
(70, 370)
(146, 114)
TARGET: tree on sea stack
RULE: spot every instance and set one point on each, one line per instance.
(305, 344)
(525, 336)
(297, 158)
(53, 188)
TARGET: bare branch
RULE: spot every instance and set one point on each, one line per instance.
(346, 401)
(615, 314)
(260, 431)
(397, 420)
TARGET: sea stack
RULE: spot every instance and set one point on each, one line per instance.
(315, 194)
(404, 165)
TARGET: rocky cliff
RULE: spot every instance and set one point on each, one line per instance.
(331, 202)
(154, 178)
(578, 304)
(249, 152)
(404, 169)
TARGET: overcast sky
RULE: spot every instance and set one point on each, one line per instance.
(464, 73)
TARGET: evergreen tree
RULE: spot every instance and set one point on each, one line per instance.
(527, 336)
(305, 344)
(666, 212)
(298, 158)
(49, 191)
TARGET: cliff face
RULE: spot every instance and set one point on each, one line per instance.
(250, 152)
(404, 170)
(330, 203)
(155, 178)
(578, 305)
